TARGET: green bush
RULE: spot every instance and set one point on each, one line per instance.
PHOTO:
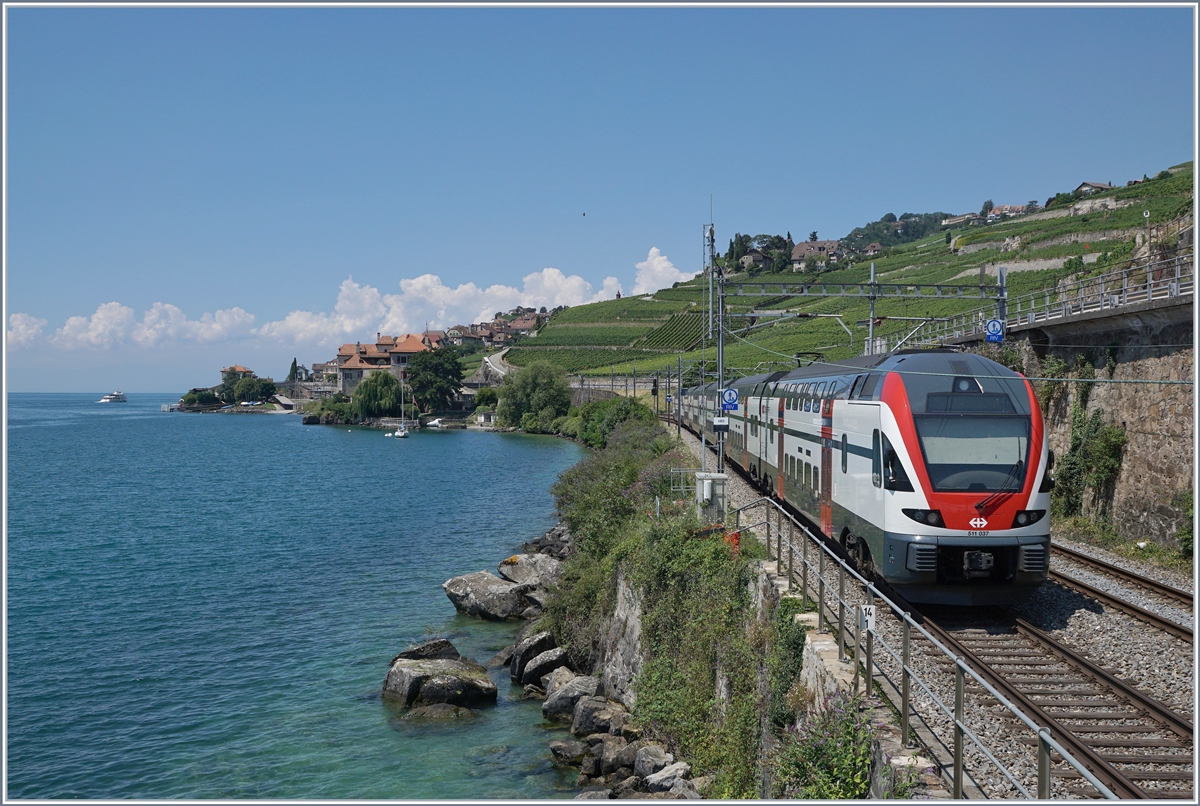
(827, 757)
(539, 389)
(203, 397)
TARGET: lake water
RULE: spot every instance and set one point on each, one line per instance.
(205, 606)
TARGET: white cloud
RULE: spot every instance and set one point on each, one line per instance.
(109, 325)
(362, 310)
(24, 329)
(357, 309)
(656, 272)
(166, 322)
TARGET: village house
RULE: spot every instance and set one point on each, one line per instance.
(822, 251)
(754, 259)
(357, 362)
(239, 371)
(967, 218)
(1092, 187)
(523, 325)
(873, 249)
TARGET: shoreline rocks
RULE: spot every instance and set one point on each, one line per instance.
(435, 674)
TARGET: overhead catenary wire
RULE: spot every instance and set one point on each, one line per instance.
(836, 365)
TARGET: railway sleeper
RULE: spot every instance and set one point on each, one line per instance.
(1135, 775)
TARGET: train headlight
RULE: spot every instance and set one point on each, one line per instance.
(1028, 516)
(929, 517)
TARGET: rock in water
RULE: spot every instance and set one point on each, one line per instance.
(535, 569)
(441, 712)
(529, 647)
(432, 650)
(485, 595)
(560, 701)
(501, 658)
(555, 679)
(460, 681)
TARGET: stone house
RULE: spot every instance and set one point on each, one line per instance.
(356, 362)
(823, 251)
(754, 259)
(1093, 187)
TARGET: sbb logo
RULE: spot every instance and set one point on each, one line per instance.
(978, 523)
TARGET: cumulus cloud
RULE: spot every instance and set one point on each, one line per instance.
(109, 325)
(427, 300)
(24, 329)
(656, 272)
(114, 323)
(357, 310)
(166, 322)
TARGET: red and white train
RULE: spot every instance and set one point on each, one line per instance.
(929, 467)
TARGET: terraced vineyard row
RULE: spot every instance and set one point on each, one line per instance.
(636, 309)
(575, 359)
(679, 333)
(588, 335)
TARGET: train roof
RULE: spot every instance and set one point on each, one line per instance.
(949, 362)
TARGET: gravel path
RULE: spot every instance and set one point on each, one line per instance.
(1157, 663)
(1157, 573)
(1132, 593)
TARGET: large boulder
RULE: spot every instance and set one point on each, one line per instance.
(432, 650)
(560, 702)
(485, 595)
(609, 751)
(556, 679)
(628, 755)
(651, 759)
(666, 778)
(543, 664)
(527, 648)
(461, 681)
(441, 712)
(537, 570)
(594, 715)
(566, 752)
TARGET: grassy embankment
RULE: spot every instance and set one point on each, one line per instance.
(699, 625)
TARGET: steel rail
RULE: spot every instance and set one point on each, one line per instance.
(1154, 619)
(1159, 711)
(1112, 777)
(1157, 587)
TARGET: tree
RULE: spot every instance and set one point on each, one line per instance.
(257, 389)
(540, 389)
(1031, 206)
(199, 397)
(889, 218)
(486, 396)
(812, 236)
(435, 377)
(987, 207)
(377, 396)
(292, 372)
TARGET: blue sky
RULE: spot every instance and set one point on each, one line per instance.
(190, 188)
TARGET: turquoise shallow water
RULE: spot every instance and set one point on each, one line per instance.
(206, 605)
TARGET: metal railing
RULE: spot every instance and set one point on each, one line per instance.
(814, 558)
(1163, 279)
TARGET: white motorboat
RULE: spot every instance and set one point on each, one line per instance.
(116, 397)
(401, 433)
(435, 423)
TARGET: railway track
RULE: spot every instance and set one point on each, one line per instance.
(1134, 744)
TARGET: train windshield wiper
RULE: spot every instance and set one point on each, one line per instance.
(1013, 472)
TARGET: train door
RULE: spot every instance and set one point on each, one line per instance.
(825, 489)
(780, 455)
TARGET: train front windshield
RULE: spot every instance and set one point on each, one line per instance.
(979, 453)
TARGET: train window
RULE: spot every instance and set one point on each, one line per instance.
(817, 479)
(807, 474)
(894, 477)
(876, 460)
(844, 446)
(854, 387)
(772, 432)
(867, 389)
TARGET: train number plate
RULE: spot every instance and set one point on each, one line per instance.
(977, 533)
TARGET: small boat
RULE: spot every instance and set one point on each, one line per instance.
(435, 423)
(401, 433)
(116, 397)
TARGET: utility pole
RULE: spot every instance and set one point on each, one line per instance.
(678, 393)
(871, 319)
(712, 255)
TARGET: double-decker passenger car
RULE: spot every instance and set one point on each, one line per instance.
(929, 467)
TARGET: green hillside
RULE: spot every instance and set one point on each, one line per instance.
(648, 332)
